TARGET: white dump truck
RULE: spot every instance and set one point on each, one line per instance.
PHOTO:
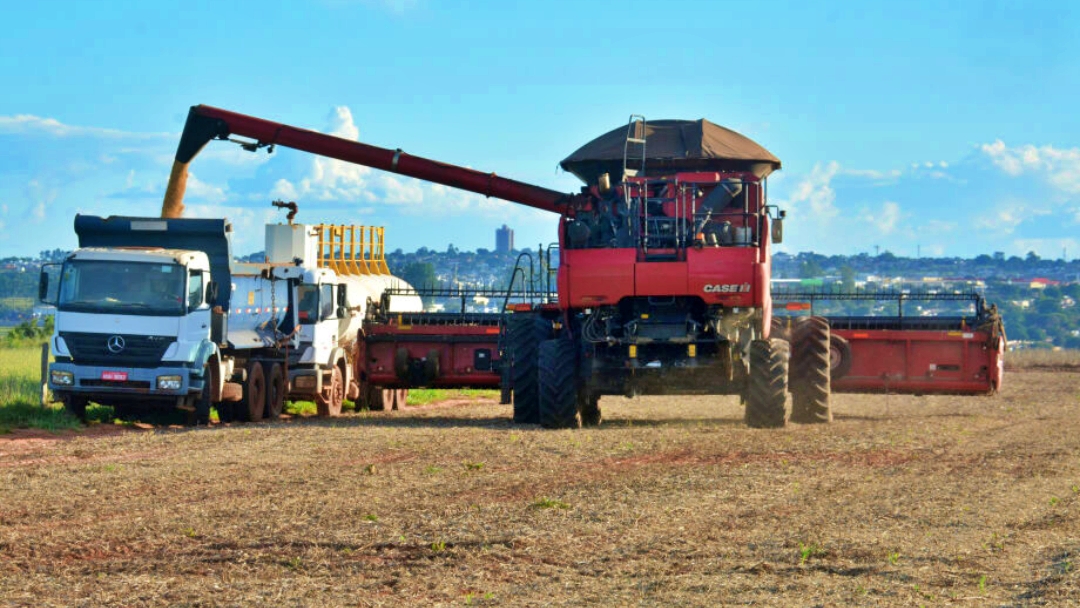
(154, 312)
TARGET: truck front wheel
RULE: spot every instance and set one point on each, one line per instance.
(330, 404)
(74, 405)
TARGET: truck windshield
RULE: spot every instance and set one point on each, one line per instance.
(117, 287)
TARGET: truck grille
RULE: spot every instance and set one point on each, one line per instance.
(137, 351)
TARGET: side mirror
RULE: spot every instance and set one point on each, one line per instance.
(342, 312)
(45, 285)
(778, 231)
(341, 299)
(211, 292)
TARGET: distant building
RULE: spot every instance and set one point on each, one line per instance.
(504, 239)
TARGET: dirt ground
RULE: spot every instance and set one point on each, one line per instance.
(903, 501)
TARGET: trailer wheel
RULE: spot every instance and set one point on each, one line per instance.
(255, 392)
(431, 365)
(810, 372)
(558, 384)
(275, 392)
(76, 406)
(401, 364)
(839, 357)
(330, 405)
(767, 390)
(524, 333)
(590, 410)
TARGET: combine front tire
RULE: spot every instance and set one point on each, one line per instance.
(523, 334)
(558, 384)
(767, 391)
(810, 372)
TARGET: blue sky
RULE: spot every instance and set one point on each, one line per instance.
(906, 126)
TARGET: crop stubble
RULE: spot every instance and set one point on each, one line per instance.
(902, 501)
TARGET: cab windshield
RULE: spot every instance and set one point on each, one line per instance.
(115, 287)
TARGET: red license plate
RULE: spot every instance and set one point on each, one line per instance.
(114, 376)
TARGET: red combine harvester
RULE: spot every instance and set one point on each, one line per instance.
(663, 281)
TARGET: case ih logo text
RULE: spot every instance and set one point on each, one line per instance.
(728, 288)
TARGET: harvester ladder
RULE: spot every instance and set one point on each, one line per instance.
(634, 147)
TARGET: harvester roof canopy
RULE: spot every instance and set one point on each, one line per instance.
(671, 146)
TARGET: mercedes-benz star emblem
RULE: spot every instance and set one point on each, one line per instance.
(115, 344)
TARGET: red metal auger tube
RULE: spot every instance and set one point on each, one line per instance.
(205, 123)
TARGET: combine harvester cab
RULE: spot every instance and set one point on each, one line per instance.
(960, 352)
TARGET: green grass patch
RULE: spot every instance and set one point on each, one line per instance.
(423, 396)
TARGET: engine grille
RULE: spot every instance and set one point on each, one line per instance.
(138, 351)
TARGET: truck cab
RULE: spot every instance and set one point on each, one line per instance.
(132, 325)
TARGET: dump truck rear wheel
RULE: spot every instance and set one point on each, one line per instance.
(330, 404)
(255, 392)
(810, 372)
(767, 392)
(524, 333)
(558, 384)
(275, 392)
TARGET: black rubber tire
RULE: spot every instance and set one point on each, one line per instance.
(401, 364)
(779, 329)
(330, 405)
(201, 415)
(767, 390)
(524, 332)
(809, 378)
(76, 406)
(590, 411)
(558, 384)
(431, 365)
(839, 357)
(373, 397)
(275, 391)
(254, 403)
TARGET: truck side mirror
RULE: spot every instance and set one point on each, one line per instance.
(341, 299)
(211, 292)
(778, 230)
(342, 312)
(44, 284)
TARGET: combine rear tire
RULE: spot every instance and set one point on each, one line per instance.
(255, 392)
(330, 404)
(275, 392)
(558, 384)
(767, 391)
(810, 385)
(779, 329)
(839, 357)
(524, 333)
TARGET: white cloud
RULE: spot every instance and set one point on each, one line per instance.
(30, 124)
(884, 219)
(816, 191)
(200, 190)
(1059, 167)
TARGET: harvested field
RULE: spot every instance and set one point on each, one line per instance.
(902, 501)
